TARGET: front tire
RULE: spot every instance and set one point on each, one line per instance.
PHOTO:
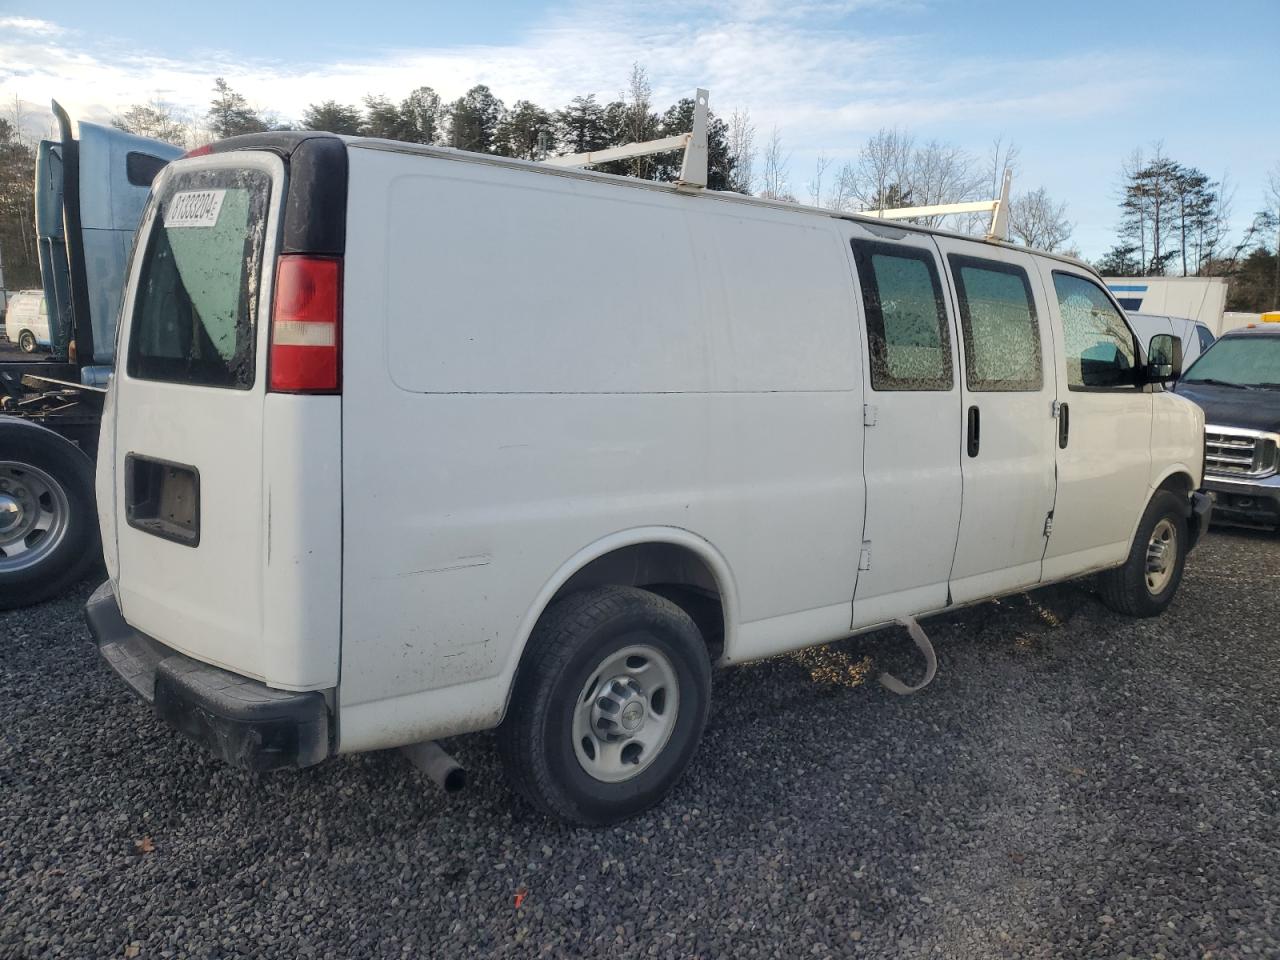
(48, 519)
(27, 341)
(609, 705)
(1147, 582)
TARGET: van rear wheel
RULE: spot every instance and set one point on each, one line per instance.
(27, 341)
(48, 520)
(1147, 582)
(609, 705)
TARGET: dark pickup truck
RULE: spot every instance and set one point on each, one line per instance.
(1237, 383)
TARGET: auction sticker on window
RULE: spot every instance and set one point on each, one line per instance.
(194, 208)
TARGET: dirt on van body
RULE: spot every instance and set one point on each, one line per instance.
(1072, 784)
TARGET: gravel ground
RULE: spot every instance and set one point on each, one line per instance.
(1073, 784)
(11, 351)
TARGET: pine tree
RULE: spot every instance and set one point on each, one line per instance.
(382, 118)
(474, 119)
(423, 114)
(333, 117)
(230, 114)
(526, 131)
(580, 126)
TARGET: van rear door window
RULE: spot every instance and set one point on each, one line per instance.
(906, 319)
(194, 309)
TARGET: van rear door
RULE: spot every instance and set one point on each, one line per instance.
(226, 516)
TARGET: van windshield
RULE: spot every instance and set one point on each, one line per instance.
(1242, 361)
(195, 306)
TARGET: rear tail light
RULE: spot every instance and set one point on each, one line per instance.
(203, 151)
(306, 325)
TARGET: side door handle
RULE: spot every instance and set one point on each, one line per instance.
(974, 432)
(1064, 426)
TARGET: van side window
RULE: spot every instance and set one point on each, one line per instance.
(1100, 349)
(1206, 338)
(998, 322)
(906, 319)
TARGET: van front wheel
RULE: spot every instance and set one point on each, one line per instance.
(609, 705)
(27, 341)
(1147, 582)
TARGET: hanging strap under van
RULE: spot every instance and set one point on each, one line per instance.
(921, 640)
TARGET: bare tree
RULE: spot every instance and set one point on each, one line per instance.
(156, 119)
(815, 183)
(639, 122)
(18, 117)
(843, 196)
(881, 177)
(942, 173)
(742, 151)
(1001, 158)
(774, 184)
(1273, 205)
(1037, 221)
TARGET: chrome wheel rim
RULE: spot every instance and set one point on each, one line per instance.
(34, 515)
(626, 713)
(1162, 551)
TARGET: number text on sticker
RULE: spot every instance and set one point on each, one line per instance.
(194, 208)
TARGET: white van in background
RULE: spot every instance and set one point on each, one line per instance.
(27, 320)
(1196, 337)
(405, 443)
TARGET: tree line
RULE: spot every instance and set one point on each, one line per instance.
(1175, 221)
(477, 121)
(891, 170)
(1174, 218)
(19, 257)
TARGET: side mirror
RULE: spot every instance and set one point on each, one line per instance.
(1164, 358)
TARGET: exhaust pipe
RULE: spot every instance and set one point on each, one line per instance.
(431, 759)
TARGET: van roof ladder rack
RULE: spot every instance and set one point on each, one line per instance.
(693, 170)
(999, 207)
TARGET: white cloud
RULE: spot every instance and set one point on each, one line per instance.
(30, 25)
(823, 87)
(810, 67)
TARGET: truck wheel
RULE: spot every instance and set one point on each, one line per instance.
(48, 520)
(609, 705)
(27, 341)
(1145, 585)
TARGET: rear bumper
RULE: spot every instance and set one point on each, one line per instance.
(1246, 501)
(242, 721)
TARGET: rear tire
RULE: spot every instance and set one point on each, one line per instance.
(48, 517)
(1147, 582)
(609, 705)
(27, 341)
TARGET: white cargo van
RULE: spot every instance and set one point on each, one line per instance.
(405, 443)
(27, 320)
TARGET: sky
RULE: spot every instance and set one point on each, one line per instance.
(1077, 86)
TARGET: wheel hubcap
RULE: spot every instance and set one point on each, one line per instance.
(34, 513)
(11, 514)
(1162, 551)
(626, 713)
